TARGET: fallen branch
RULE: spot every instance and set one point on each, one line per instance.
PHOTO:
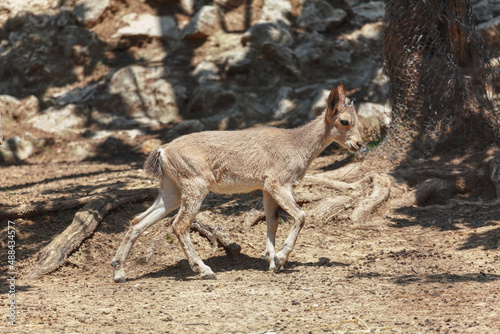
(84, 223)
(217, 237)
(381, 189)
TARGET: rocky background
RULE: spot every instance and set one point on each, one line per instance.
(84, 79)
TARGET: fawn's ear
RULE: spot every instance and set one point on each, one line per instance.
(335, 100)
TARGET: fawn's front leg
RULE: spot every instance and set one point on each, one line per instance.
(284, 198)
(271, 209)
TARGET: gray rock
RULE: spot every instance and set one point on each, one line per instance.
(228, 3)
(89, 12)
(79, 150)
(190, 6)
(378, 89)
(211, 99)
(283, 104)
(275, 11)
(268, 32)
(482, 11)
(148, 25)
(374, 110)
(237, 62)
(495, 7)
(369, 12)
(319, 15)
(186, 127)
(9, 106)
(320, 101)
(17, 149)
(205, 71)
(147, 93)
(203, 24)
(491, 32)
(79, 95)
(45, 54)
(60, 118)
(352, 3)
(317, 49)
(10, 8)
(283, 57)
(20, 110)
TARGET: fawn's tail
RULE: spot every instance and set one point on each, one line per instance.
(153, 164)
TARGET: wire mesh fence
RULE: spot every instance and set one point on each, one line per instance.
(443, 80)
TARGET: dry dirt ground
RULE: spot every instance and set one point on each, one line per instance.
(404, 270)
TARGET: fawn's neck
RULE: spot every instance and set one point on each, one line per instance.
(312, 138)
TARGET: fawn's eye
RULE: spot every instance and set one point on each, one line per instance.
(344, 122)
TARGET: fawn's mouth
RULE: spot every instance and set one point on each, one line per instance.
(353, 147)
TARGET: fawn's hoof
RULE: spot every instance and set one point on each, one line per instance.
(278, 264)
(119, 277)
(208, 276)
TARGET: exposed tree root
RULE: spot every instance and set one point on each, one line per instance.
(348, 173)
(381, 190)
(326, 179)
(329, 207)
(252, 218)
(84, 223)
(436, 187)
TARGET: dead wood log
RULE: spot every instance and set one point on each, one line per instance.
(84, 223)
(217, 237)
(381, 190)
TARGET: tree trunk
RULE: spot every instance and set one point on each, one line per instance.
(438, 73)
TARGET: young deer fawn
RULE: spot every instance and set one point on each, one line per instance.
(270, 159)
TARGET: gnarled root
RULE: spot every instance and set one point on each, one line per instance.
(381, 189)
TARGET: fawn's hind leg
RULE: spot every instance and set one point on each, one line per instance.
(192, 198)
(167, 201)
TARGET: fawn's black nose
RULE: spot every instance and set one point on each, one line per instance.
(359, 144)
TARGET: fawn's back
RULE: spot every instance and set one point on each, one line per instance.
(235, 161)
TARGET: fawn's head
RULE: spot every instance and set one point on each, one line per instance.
(343, 120)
